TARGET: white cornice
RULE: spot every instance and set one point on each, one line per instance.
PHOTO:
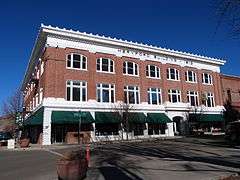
(46, 31)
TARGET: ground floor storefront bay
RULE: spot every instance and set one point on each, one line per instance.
(85, 126)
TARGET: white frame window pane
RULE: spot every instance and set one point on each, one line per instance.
(152, 71)
(105, 65)
(207, 79)
(76, 91)
(173, 74)
(154, 96)
(174, 95)
(191, 76)
(210, 102)
(76, 61)
(130, 68)
(192, 97)
(105, 93)
(131, 95)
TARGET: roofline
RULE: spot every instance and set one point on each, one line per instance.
(230, 76)
(49, 30)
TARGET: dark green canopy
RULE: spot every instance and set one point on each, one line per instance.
(35, 119)
(136, 117)
(157, 118)
(71, 117)
(107, 117)
(206, 117)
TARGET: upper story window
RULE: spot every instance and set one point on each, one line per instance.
(192, 98)
(105, 65)
(106, 93)
(174, 95)
(130, 68)
(152, 71)
(173, 74)
(209, 100)
(207, 78)
(154, 96)
(190, 76)
(42, 67)
(77, 61)
(76, 91)
(131, 94)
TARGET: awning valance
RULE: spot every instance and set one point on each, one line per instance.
(35, 119)
(107, 117)
(71, 117)
(157, 118)
(206, 117)
(136, 117)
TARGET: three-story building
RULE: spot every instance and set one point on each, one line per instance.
(74, 76)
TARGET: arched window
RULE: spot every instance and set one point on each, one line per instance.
(105, 65)
(76, 61)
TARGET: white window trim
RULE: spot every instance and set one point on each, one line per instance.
(78, 86)
(109, 64)
(156, 67)
(177, 74)
(126, 69)
(178, 92)
(194, 77)
(209, 78)
(40, 95)
(135, 94)
(195, 95)
(212, 99)
(101, 88)
(159, 95)
(80, 62)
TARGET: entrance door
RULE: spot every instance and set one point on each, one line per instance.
(58, 134)
(177, 125)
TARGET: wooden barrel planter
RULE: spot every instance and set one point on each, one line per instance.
(72, 166)
(24, 142)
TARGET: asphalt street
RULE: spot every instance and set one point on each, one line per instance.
(188, 158)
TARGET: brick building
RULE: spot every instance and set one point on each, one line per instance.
(72, 74)
(231, 90)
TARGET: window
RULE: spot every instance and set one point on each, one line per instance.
(77, 61)
(42, 67)
(105, 65)
(206, 78)
(76, 91)
(36, 97)
(154, 96)
(153, 71)
(229, 96)
(192, 98)
(130, 68)
(40, 95)
(173, 74)
(174, 96)
(105, 93)
(190, 76)
(131, 94)
(210, 99)
(107, 129)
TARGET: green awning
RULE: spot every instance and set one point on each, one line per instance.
(35, 119)
(107, 117)
(206, 117)
(157, 118)
(135, 117)
(71, 117)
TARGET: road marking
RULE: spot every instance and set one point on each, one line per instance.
(54, 152)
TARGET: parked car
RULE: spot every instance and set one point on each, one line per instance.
(4, 136)
(233, 132)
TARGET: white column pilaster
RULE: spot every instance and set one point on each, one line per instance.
(46, 126)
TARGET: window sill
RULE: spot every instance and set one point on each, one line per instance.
(131, 75)
(105, 72)
(207, 84)
(76, 69)
(191, 82)
(173, 80)
(153, 78)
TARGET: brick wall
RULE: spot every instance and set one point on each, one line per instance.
(56, 74)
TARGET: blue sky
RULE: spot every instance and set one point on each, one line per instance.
(182, 25)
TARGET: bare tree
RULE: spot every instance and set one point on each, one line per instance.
(13, 106)
(123, 110)
(229, 14)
